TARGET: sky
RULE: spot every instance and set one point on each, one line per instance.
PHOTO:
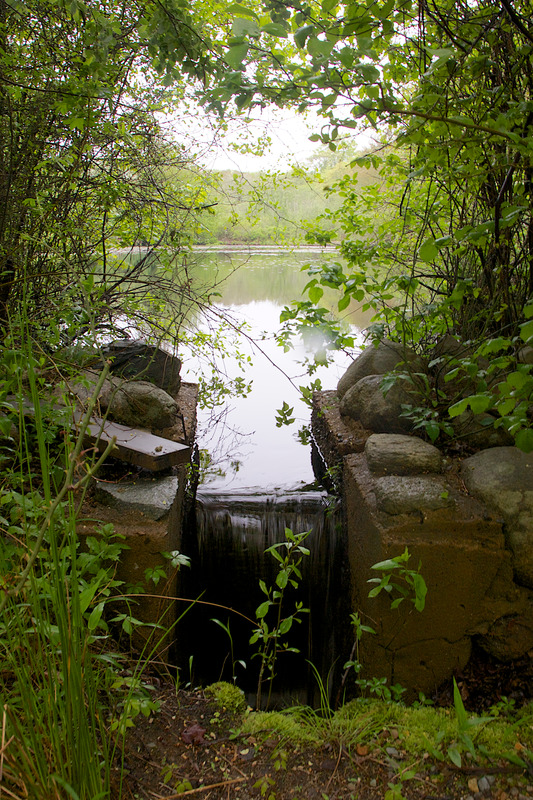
(288, 134)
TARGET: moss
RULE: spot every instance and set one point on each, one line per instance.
(227, 696)
(416, 730)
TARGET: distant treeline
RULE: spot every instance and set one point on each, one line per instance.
(268, 207)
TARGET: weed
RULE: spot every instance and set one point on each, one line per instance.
(265, 784)
(397, 576)
(271, 639)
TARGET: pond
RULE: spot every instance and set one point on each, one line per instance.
(242, 445)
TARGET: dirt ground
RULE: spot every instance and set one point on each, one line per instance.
(192, 748)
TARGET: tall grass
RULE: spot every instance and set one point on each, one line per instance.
(53, 709)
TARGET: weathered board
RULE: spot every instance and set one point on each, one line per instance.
(136, 446)
(133, 445)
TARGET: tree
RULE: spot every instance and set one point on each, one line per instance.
(450, 87)
(84, 158)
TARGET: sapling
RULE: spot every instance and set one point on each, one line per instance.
(289, 554)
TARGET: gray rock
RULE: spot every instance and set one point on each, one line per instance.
(142, 405)
(478, 430)
(525, 354)
(377, 412)
(152, 497)
(378, 361)
(502, 478)
(396, 494)
(136, 403)
(394, 454)
(134, 359)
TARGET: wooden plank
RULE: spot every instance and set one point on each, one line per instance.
(133, 445)
(136, 446)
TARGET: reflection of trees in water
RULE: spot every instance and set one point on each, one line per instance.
(223, 450)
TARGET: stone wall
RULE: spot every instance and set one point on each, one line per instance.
(399, 492)
(148, 510)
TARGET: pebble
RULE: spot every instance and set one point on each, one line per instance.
(483, 784)
(392, 752)
(373, 782)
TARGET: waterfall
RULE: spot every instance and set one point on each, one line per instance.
(227, 546)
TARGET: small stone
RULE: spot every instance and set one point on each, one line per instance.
(373, 782)
(483, 784)
(392, 752)
(514, 792)
(404, 494)
(394, 454)
(473, 785)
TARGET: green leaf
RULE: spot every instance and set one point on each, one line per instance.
(237, 8)
(302, 34)
(245, 27)
(524, 440)
(479, 403)
(282, 578)
(236, 55)
(458, 408)
(274, 29)
(389, 563)
(315, 293)
(344, 302)
(95, 617)
(455, 756)
(526, 330)
(368, 72)
(285, 625)
(428, 251)
(262, 610)
(319, 48)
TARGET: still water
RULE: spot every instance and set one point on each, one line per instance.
(246, 448)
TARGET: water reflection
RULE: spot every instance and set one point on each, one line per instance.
(248, 449)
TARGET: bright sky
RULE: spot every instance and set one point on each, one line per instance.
(288, 134)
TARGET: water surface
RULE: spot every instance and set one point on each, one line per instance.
(245, 446)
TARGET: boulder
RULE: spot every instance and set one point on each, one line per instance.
(136, 403)
(378, 361)
(478, 431)
(404, 494)
(134, 359)
(142, 405)
(525, 355)
(502, 478)
(365, 401)
(394, 454)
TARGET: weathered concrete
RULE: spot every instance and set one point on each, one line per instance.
(403, 494)
(502, 477)
(462, 555)
(393, 502)
(146, 539)
(149, 496)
